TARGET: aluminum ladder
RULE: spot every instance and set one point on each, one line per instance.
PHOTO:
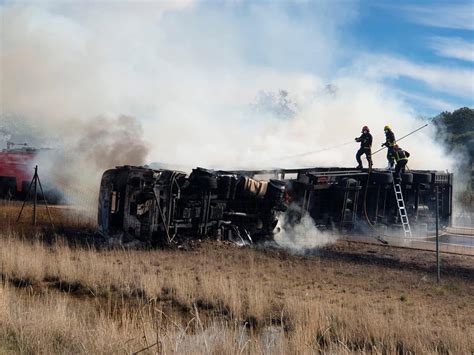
(401, 208)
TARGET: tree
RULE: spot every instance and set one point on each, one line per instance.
(457, 130)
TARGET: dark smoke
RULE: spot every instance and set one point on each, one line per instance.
(109, 142)
(92, 148)
(81, 152)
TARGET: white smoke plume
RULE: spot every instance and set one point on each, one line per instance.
(193, 75)
(303, 236)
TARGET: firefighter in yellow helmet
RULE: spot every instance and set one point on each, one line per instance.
(389, 143)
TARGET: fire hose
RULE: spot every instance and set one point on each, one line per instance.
(350, 142)
(318, 151)
(406, 135)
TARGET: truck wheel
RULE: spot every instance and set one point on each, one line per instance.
(204, 178)
(381, 178)
(206, 182)
(421, 178)
(407, 178)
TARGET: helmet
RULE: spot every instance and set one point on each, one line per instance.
(387, 128)
(365, 128)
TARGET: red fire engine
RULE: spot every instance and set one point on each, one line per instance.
(16, 169)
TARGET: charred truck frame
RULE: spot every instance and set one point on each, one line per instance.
(162, 206)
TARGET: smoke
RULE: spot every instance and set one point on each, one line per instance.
(251, 85)
(4, 136)
(112, 141)
(303, 236)
(72, 161)
(76, 166)
(242, 85)
(463, 196)
(16, 129)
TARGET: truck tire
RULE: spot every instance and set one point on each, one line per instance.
(204, 179)
(407, 178)
(421, 178)
(381, 177)
(206, 182)
(275, 191)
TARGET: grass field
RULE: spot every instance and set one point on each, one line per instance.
(63, 297)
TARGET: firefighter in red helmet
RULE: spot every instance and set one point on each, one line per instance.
(365, 147)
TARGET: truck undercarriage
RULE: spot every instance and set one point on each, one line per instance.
(159, 207)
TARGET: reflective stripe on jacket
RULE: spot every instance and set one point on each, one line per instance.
(400, 155)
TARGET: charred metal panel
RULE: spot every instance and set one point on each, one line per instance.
(160, 206)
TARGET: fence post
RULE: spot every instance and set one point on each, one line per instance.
(438, 275)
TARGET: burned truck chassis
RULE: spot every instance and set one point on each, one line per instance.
(138, 204)
(161, 206)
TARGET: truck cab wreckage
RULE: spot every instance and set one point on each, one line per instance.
(160, 207)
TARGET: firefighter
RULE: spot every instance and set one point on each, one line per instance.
(401, 158)
(365, 147)
(389, 143)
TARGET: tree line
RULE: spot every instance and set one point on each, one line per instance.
(456, 130)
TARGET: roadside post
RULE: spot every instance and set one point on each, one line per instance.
(438, 275)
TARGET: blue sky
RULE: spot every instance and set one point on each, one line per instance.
(435, 33)
(437, 36)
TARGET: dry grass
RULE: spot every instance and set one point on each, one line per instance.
(217, 298)
(62, 216)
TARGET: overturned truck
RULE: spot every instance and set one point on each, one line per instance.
(158, 207)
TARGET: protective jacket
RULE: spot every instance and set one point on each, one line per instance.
(365, 140)
(389, 138)
(400, 155)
